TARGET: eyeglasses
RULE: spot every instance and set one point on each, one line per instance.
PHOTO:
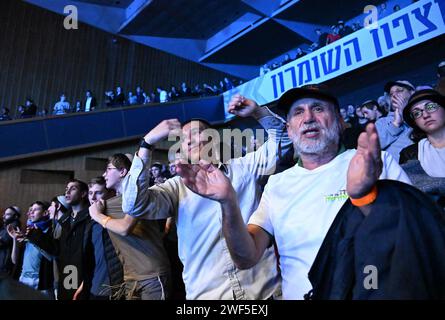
(429, 108)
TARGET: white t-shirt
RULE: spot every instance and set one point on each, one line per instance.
(298, 206)
(88, 104)
(163, 96)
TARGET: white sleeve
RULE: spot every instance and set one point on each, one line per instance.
(261, 216)
(140, 200)
(392, 170)
(264, 160)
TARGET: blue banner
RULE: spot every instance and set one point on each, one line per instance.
(417, 23)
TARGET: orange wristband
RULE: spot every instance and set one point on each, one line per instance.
(366, 199)
(105, 221)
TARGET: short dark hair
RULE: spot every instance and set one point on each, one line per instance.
(17, 213)
(203, 121)
(120, 161)
(43, 204)
(97, 180)
(83, 187)
(157, 165)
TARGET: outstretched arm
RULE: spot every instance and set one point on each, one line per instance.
(246, 244)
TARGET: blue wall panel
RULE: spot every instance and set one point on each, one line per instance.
(20, 138)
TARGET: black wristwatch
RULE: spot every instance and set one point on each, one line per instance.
(145, 145)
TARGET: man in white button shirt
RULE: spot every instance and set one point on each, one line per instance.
(209, 272)
(298, 205)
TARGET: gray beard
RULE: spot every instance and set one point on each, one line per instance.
(319, 146)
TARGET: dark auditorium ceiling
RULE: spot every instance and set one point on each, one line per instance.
(234, 36)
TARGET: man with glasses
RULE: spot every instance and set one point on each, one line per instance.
(139, 243)
(209, 272)
(394, 133)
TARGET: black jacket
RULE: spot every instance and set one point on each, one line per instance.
(409, 153)
(403, 237)
(74, 248)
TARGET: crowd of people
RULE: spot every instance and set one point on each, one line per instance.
(324, 37)
(118, 98)
(260, 226)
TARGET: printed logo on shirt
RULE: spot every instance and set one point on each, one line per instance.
(340, 195)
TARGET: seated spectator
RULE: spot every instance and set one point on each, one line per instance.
(207, 90)
(351, 130)
(396, 8)
(274, 66)
(286, 60)
(440, 86)
(109, 98)
(356, 26)
(384, 103)
(173, 95)
(321, 42)
(425, 113)
(20, 112)
(228, 84)
(90, 102)
(394, 133)
(343, 30)
(185, 91)
(383, 12)
(147, 98)
(197, 92)
(30, 109)
(362, 121)
(43, 112)
(217, 90)
(264, 69)
(153, 97)
(78, 106)
(140, 97)
(62, 106)
(4, 114)
(119, 100)
(344, 113)
(351, 112)
(162, 95)
(132, 99)
(333, 36)
(371, 111)
(300, 53)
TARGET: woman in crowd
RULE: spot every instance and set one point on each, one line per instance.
(425, 113)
